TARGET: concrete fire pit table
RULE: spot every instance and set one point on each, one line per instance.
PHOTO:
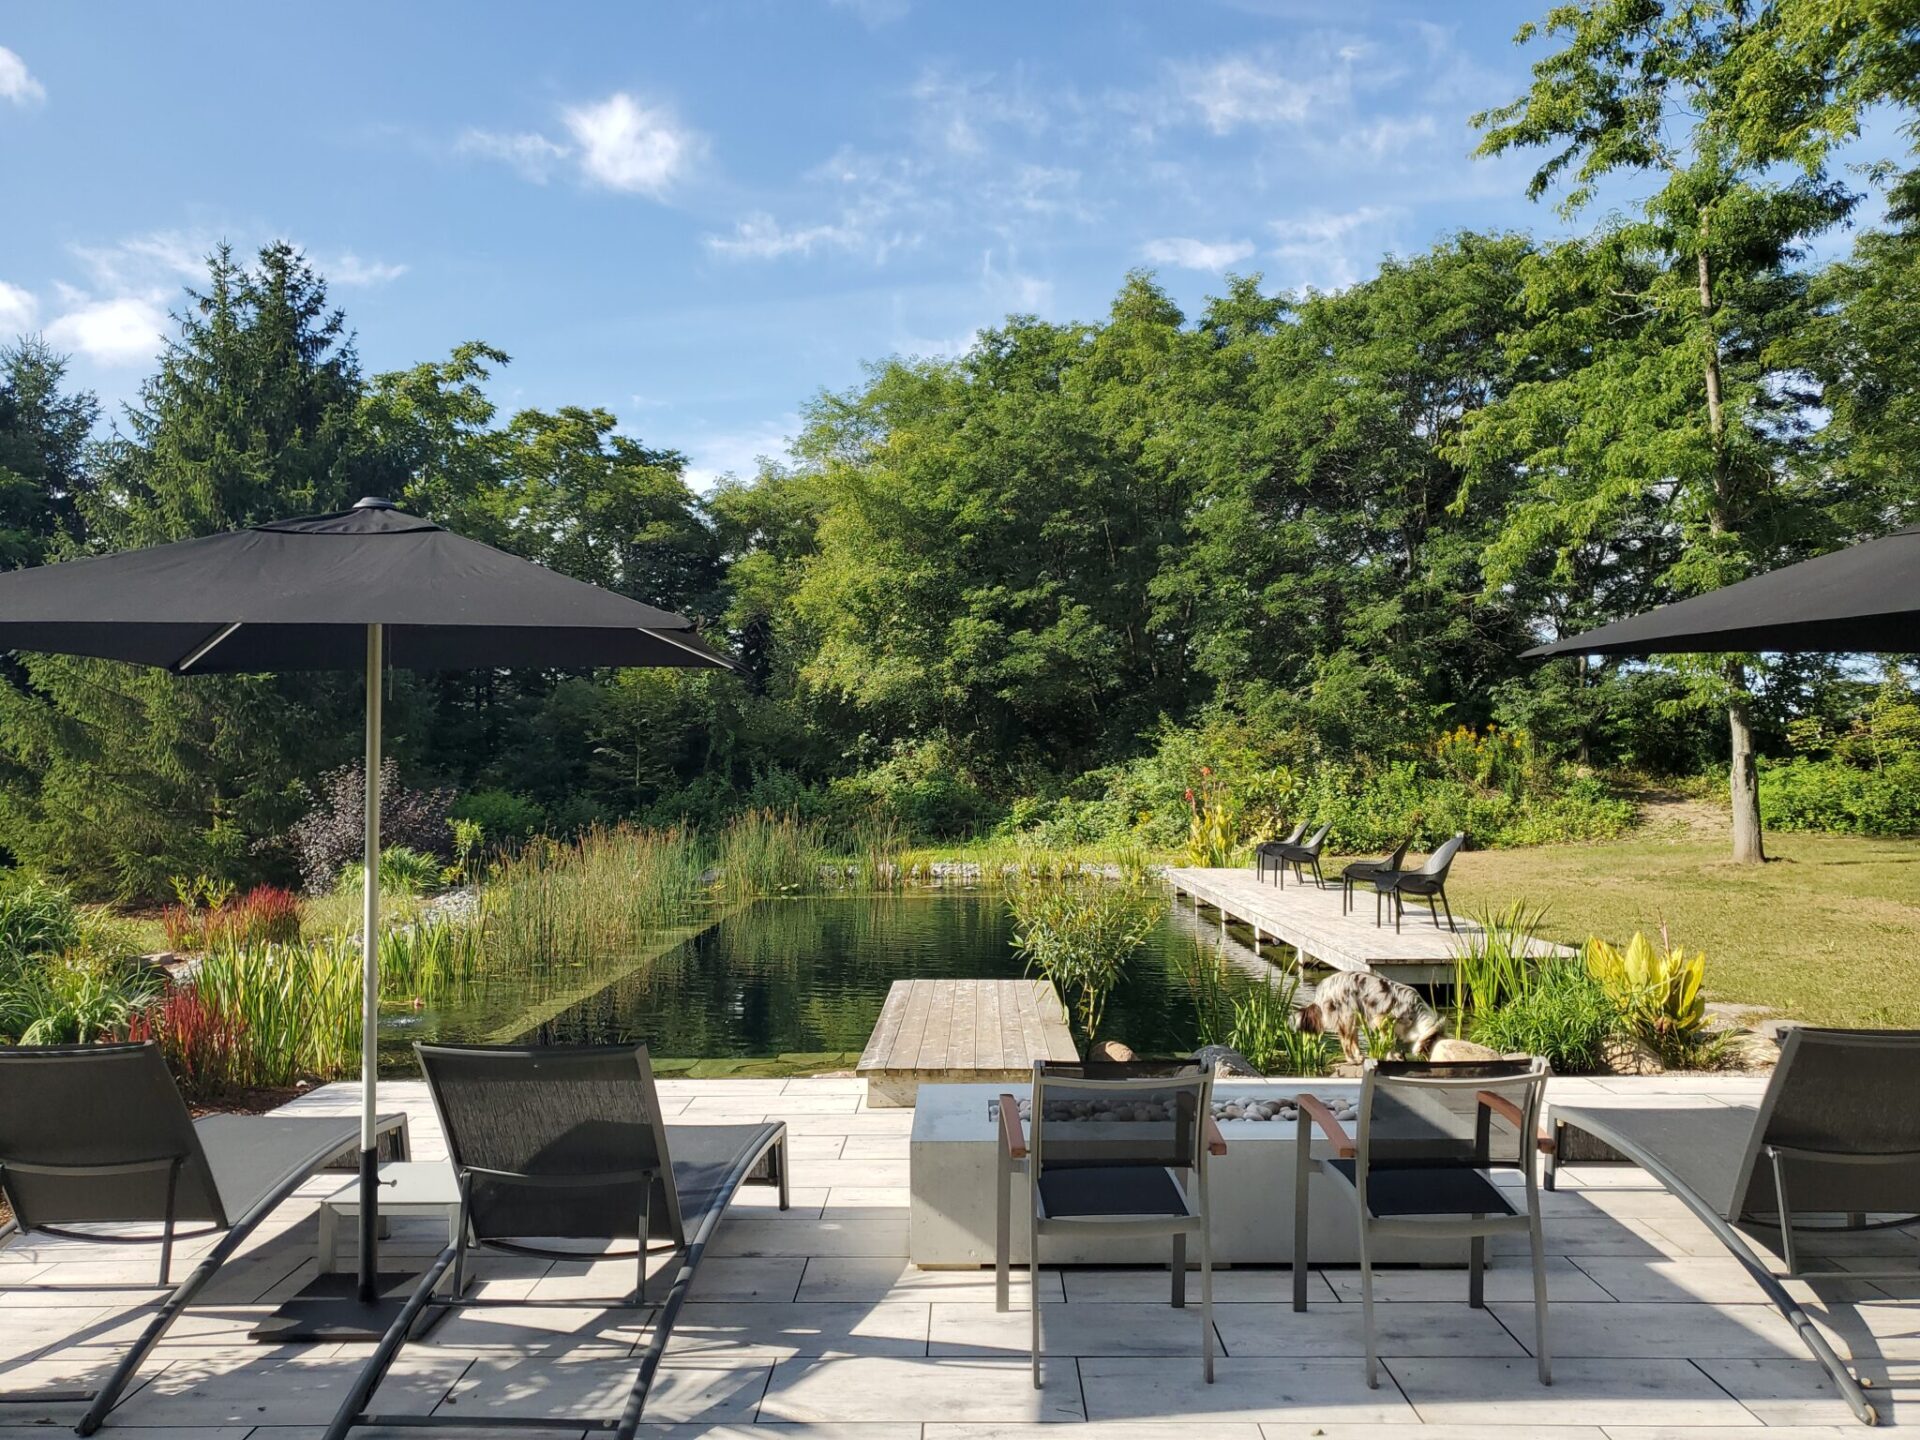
(954, 1164)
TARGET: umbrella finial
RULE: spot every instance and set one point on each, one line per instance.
(374, 502)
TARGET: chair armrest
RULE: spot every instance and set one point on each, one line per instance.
(1011, 1135)
(1510, 1112)
(1216, 1142)
(1328, 1126)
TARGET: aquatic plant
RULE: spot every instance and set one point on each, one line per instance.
(762, 853)
(292, 1010)
(568, 902)
(1497, 964)
(1567, 1016)
(1078, 931)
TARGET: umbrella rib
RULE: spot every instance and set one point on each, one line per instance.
(198, 655)
(677, 644)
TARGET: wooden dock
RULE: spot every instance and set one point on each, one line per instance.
(947, 1031)
(1308, 919)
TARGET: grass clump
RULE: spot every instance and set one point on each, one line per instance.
(569, 902)
(1566, 1016)
(1078, 931)
(762, 853)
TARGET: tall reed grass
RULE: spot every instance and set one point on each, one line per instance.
(295, 1009)
(761, 853)
(1500, 961)
(570, 902)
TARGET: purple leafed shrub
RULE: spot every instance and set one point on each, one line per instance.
(330, 834)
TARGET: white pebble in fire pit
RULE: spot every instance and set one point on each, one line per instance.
(1282, 1109)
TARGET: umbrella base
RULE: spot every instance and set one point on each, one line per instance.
(330, 1309)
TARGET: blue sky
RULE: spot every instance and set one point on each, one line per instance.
(700, 215)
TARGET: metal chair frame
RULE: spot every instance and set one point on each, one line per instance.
(1523, 1115)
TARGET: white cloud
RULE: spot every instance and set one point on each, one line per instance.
(1331, 249)
(625, 145)
(1391, 134)
(143, 261)
(761, 237)
(959, 113)
(1197, 254)
(349, 269)
(17, 309)
(125, 330)
(1243, 90)
(16, 81)
(533, 156)
(739, 452)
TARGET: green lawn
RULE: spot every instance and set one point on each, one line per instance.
(1825, 932)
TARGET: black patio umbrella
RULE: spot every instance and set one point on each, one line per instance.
(1858, 600)
(366, 588)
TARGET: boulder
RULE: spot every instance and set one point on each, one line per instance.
(1111, 1051)
(1226, 1062)
(1629, 1057)
(1446, 1049)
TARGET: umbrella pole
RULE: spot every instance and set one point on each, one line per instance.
(370, 980)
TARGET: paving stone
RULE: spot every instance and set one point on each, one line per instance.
(1260, 1390)
(875, 1388)
(1631, 1330)
(543, 1328)
(1414, 1328)
(715, 1332)
(1567, 1283)
(861, 1236)
(1437, 1432)
(1712, 1281)
(1068, 1330)
(287, 1386)
(593, 1388)
(1601, 1392)
(1251, 1284)
(1800, 1392)
(1095, 1430)
(881, 1278)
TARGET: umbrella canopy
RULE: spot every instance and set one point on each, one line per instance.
(368, 587)
(299, 595)
(1866, 598)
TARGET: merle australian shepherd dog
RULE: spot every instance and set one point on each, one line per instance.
(1354, 1004)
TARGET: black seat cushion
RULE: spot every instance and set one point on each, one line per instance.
(1428, 1190)
(1111, 1190)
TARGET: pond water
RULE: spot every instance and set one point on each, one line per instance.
(795, 977)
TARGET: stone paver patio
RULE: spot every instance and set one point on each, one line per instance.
(811, 1325)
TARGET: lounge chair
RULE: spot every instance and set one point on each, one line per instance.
(1418, 1168)
(567, 1143)
(1428, 883)
(1268, 853)
(1837, 1133)
(1304, 854)
(1088, 1174)
(1363, 872)
(98, 1135)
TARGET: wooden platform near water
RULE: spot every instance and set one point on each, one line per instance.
(1309, 920)
(946, 1031)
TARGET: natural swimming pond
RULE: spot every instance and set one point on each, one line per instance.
(793, 978)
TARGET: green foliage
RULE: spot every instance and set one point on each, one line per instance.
(1860, 777)
(560, 903)
(403, 871)
(36, 920)
(294, 1009)
(1659, 992)
(505, 819)
(72, 998)
(1078, 931)
(765, 854)
(1496, 964)
(1565, 1015)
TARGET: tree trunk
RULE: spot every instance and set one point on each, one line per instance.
(1743, 771)
(1744, 775)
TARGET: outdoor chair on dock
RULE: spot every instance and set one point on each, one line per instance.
(1419, 1166)
(1124, 1158)
(567, 1143)
(1303, 856)
(1428, 883)
(1836, 1135)
(1268, 853)
(98, 1135)
(1364, 872)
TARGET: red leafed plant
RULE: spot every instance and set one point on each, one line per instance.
(200, 1041)
(265, 915)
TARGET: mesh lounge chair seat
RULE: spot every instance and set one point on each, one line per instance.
(557, 1144)
(1837, 1133)
(98, 1135)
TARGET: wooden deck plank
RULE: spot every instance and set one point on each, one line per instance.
(962, 1030)
(1309, 919)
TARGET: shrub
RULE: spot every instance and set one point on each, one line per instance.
(1565, 1015)
(403, 871)
(503, 817)
(1829, 794)
(1079, 932)
(36, 919)
(203, 1044)
(923, 786)
(332, 832)
(1659, 993)
(265, 914)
